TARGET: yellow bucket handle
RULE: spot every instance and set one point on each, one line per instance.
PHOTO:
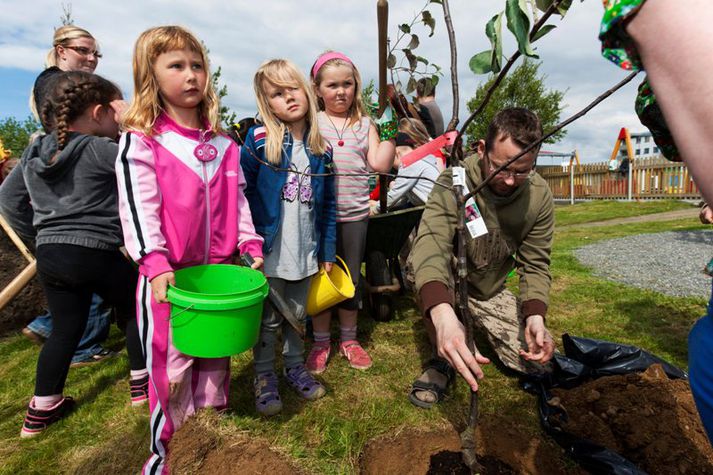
(344, 266)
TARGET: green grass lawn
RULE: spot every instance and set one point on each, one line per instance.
(591, 211)
(105, 435)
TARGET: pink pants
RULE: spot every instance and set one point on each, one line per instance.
(179, 384)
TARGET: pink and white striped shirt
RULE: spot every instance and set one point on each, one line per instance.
(352, 191)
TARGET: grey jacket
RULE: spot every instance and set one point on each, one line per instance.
(73, 197)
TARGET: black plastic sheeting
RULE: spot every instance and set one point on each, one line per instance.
(585, 359)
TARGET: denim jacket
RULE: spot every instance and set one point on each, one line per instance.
(264, 185)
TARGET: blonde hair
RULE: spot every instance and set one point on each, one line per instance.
(62, 36)
(147, 104)
(284, 73)
(356, 110)
(415, 129)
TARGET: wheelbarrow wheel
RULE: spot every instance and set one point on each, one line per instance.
(382, 307)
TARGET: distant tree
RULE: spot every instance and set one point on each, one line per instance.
(66, 17)
(15, 135)
(227, 117)
(525, 87)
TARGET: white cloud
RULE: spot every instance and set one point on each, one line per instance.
(241, 34)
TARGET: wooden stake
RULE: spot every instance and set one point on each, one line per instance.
(17, 284)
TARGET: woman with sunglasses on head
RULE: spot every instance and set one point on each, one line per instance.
(73, 49)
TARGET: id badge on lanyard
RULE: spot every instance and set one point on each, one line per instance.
(474, 221)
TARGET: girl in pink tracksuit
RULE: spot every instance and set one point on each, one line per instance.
(181, 205)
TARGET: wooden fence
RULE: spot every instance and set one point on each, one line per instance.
(651, 178)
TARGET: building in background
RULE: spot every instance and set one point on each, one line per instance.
(643, 145)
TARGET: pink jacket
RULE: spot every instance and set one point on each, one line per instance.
(177, 211)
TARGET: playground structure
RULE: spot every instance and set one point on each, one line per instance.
(644, 179)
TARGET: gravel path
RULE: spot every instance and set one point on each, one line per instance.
(670, 263)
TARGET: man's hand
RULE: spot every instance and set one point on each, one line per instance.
(159, 286)
(706, 215)
(327, 266)
(540, 345)
(450, 340)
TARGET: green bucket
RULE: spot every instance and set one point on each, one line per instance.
(216, 309)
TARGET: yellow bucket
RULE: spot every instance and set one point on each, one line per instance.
(328, 289)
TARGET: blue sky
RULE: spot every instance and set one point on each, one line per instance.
(241, 34)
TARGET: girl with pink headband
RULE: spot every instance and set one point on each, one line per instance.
(357, 150)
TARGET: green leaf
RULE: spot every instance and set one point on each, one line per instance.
(405, 28)
(440, 2)
(391, 61)
(481, 63)
(564, 7)
(413, 44)
(543, 4)
(519, 25)
(411, 58)
(428, 20)
(543, 31)
(434, 80)
(411, 85)
(421, 59)
(493, 29)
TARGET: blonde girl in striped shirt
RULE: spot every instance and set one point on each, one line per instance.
(357, 151)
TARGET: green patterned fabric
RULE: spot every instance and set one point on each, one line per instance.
(619, 48)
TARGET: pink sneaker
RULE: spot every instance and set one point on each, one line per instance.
(357, 356)
(317, 359)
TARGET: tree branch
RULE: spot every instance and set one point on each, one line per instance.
(458, 151)
(454, 65)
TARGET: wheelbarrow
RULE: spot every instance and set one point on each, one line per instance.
(386, 235)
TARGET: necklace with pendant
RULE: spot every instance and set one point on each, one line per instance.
(340, 134)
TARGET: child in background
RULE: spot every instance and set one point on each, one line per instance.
(294, 212)
(69, 177)
(357, 149)
(409, 188)
(182, 205)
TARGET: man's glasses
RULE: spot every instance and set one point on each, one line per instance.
(508, 173)
(85, 51)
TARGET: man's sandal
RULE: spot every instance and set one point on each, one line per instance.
(443, 367)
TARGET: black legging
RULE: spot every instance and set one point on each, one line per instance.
(70, 275)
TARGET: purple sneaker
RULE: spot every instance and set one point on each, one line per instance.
(267, 397)
(304, 383)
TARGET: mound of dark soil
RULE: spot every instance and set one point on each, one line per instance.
(647, 418)
(30, 302)
(502, 447)
(195, 449)
(451, 463)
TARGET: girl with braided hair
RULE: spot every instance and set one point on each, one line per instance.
(70, 179)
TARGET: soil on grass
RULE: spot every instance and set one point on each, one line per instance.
(30, 302)
(502, 447)
(197, 448)
(647, 418)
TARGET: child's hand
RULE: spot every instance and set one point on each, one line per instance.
(327, 266)
(159, 286)
(258, 263)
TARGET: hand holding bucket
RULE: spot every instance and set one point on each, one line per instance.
(327, 289)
